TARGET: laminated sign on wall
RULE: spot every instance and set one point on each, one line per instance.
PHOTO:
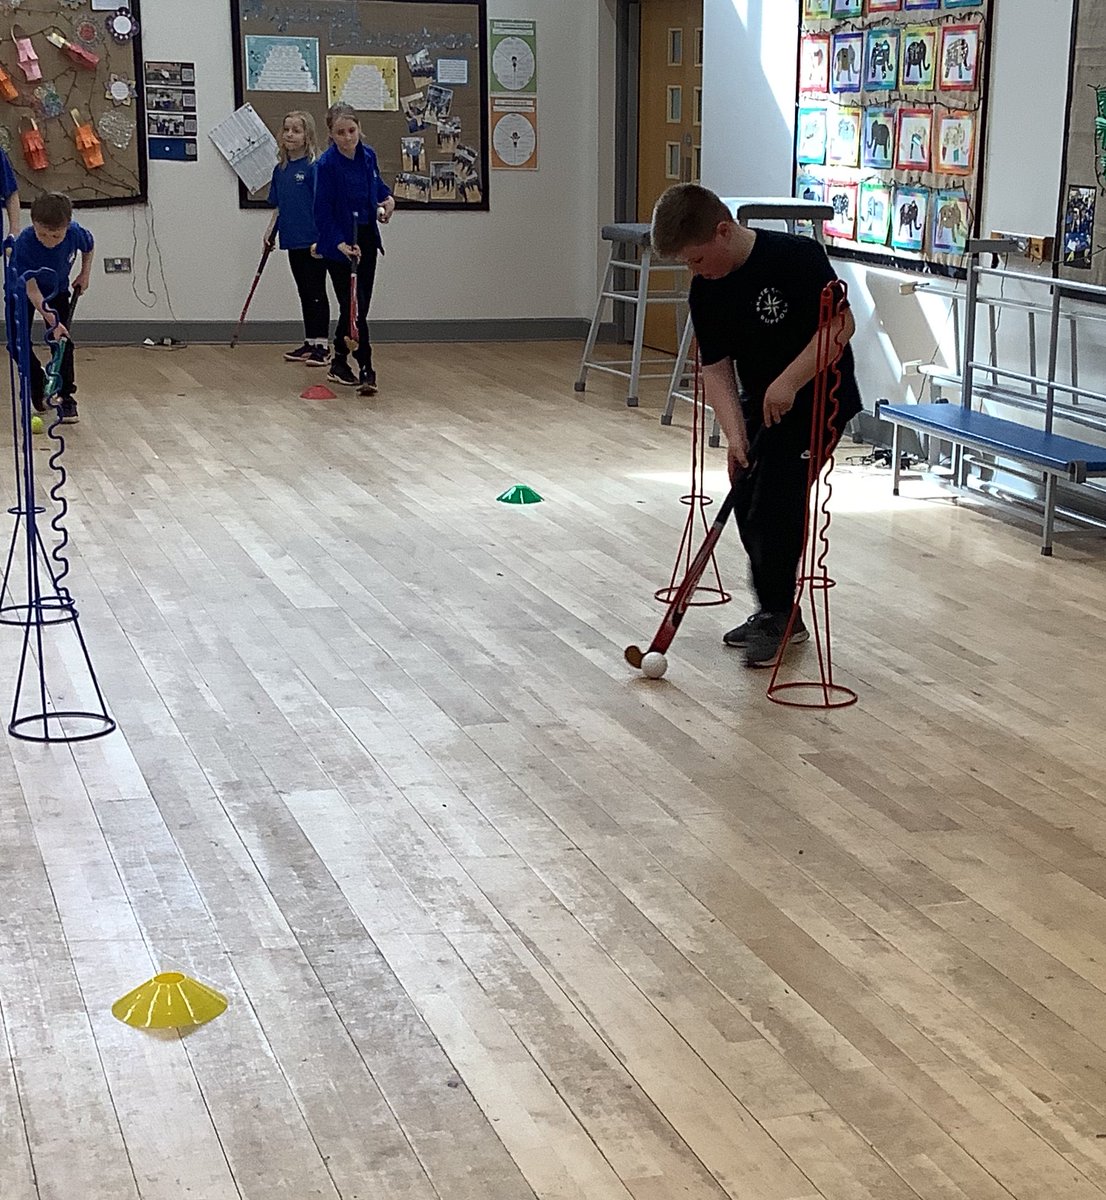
(514, 95)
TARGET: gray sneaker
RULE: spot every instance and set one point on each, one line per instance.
(762, 647)
(740, 635)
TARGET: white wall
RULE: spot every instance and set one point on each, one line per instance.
(748, 122)
(532, 255)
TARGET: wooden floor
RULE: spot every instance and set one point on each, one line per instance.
(498, 918)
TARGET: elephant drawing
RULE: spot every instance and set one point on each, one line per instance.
(915, 58)
(874, 214)
(879, 58)
(958, 56)
(949, 217)
(840, 202)
(879, 140)
(845, 62)
(909, 217)
(954, 142)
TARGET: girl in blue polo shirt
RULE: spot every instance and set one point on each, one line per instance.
(292, 194)
(351, 200)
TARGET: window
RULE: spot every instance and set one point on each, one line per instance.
(698, 106)
(672, 169)
(675, 105)
(698, 169)
(698, 47)
(675, 47)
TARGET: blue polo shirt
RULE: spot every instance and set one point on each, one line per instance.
(8, 183)
(31, 255)
(292, 194)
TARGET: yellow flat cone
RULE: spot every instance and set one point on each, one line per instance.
(169, 1001)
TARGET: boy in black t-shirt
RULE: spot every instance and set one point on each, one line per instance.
(755, 304)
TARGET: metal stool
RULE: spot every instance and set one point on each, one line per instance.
(636, 255)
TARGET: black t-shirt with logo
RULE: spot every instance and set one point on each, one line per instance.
(763, 315)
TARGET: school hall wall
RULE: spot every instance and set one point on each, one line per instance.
(749, 68)
(526, 267)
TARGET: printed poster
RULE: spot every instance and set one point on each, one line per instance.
(365, 82)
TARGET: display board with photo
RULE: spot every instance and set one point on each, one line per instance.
(1081, 221)
(889, 127)
(416, 72)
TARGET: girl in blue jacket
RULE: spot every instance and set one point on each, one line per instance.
(351, 202)
(292, 195)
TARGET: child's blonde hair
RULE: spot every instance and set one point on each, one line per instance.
(310, 137)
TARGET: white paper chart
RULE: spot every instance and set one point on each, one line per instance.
(245, 142)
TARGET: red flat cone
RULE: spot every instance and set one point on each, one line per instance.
(318, 392)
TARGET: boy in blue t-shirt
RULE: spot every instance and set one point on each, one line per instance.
(51, 246)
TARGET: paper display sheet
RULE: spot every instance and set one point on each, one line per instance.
(245, 142)
(513, 53)
(171, 111)
(417, 74)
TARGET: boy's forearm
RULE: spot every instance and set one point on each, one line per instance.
(87, 259)
(14, 214)
(803, 369)
(720, 389)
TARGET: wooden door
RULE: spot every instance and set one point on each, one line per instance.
(670, 91)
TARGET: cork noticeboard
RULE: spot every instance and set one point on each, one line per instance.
(97, 73)
(416, 72)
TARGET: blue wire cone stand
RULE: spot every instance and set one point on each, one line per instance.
(49, 613)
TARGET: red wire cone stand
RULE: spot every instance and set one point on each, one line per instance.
(814, 579)
(697, 501)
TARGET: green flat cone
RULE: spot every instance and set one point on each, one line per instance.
(519, 494)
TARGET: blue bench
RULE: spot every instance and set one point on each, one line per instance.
(1055, 456)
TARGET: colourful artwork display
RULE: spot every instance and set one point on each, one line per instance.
(956, 143)
(950, 222)
(814, 57)
(878, 138)
(918, 67)
(846, 62)
(881, 59)
(841, 194)
(912, 151)
(909, 208)
(843, 137)
(959, 58)
(811, 147)
(874, 215)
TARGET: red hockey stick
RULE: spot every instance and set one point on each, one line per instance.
(681, 602)
(352, 338)
(256, 280)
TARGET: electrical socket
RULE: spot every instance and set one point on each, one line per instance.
(117, 266)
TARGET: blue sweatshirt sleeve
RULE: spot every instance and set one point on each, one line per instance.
(85, 240)
(378, 189)
(327, 201)
(9, 185)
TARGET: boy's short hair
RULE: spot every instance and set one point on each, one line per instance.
(686, 215)
(53, 210)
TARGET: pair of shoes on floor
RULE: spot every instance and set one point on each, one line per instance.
(364, 381)
(309, 355)
(163, 343)
(761, 636)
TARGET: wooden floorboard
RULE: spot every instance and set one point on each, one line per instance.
(497, 918)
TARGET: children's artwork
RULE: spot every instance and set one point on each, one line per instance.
(880, 6)
(881, 59)
(915, 137)
(282, 64)
(842, 195)
(846, 62)
(919, 55)
(874, 215)
(950, 223)
(908, 217)
(810, 187)
(811, 134)
(847, 8)
(878, 141)
(1079, 227)
(910, 5)
(962, 4)
(843, 137)
(814, 63)
(365, 82)
(959, 57)
(815, 10)
(956, 143)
